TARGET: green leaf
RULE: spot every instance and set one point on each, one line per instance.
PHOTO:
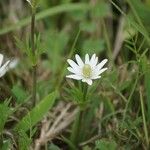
(78, 15)
(24, 141)
(101, 10)
(91, 46)
(87, 148)
(104, 144)
(37, 113)
(5, 111)
(53, 147)
(88, 26)
(6, 145)
(142, 10)
(69, 143)
(146, 70)
(19, 93)
(55, 48)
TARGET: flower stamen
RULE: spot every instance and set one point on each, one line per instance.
(86, 70)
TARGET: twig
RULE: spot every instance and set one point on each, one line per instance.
(119, 38)
(90, 140)
(48, 131)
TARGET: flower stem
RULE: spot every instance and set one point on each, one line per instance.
(77, 129)
(85, 89)
(34, 79)
(1, 140)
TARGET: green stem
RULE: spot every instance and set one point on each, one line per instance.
(85, 89)
(108, 43)
(1, 140)
(144, 120)
(33, 53)
(77, 129)
(130, 98)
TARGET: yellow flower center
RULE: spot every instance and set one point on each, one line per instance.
(86, 70)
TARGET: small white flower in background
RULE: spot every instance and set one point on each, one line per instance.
(28, 1)
(4, 67)
(88, 70)
(13, 63)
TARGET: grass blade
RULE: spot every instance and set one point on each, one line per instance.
(46, 13)
(144, 120)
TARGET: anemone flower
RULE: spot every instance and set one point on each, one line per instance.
(4, 67)
(88, 70)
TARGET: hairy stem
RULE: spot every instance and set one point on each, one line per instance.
(33, 52)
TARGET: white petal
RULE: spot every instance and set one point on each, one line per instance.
(102, 70)
(13, 63)
(71, 70)
(87, 60)
(89, 81)
(73, 65)
(79, 60)
(73, 76)
(83, 80)
(4, 68)
(96, 77)
(93, 58)
(101, 64)
(1, 59)
(94, 62)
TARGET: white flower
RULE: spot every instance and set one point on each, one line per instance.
(88, 70)
(29, 2)
(4, 67)
(13, 63)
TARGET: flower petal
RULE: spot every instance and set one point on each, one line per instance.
(1, 59)
(87, 60)
(73, 65)
(96, 77)
(79, 60)
(71, 70)
(94, 62)
(88, 81)
(73, 76)
(102, 70)
(4, 68)
(101, 64)
(13, 63)
(93, 58)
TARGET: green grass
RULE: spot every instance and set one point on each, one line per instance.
(113, 113)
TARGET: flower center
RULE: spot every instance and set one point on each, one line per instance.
(86, 70)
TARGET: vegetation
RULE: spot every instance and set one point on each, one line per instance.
(42, 109)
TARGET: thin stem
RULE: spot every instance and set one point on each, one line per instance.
(75, 128)
(77, 132)
(108, 43)
(33, 53)
(144, 120)
(85, 89)
(1, 139)
(129, 99)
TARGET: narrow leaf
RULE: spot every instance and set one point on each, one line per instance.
(37, 113)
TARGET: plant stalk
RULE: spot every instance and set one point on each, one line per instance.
(144, 119)
(34, 76)
(77, 129)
